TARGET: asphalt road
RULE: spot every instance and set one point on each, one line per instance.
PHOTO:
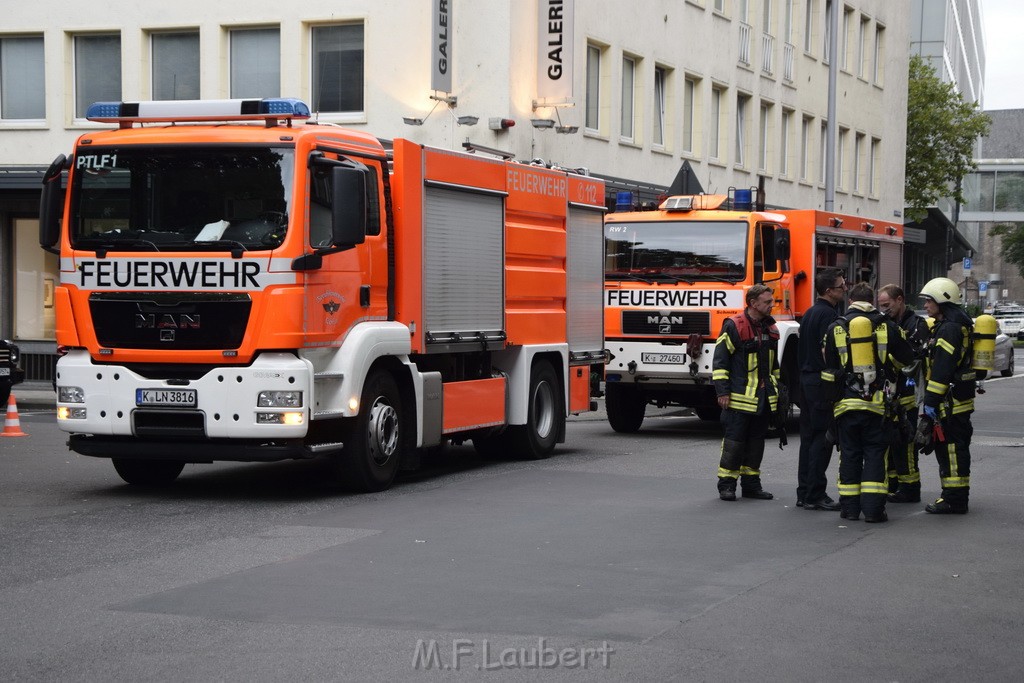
(612, 560)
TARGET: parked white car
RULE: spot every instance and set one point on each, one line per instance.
(1004, 352)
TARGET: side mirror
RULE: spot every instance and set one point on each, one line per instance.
(781, 239)
(51, 205)
(349, 210)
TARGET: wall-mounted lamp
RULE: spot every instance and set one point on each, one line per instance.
(467, 120)
(542, 123)
(412, 121)
(835, 222)
(566, 130)
(891, 230)
(868, 227)
(473, 147)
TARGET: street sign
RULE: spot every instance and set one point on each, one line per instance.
(967, 263)
(982, 287)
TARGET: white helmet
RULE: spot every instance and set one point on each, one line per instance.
(942, 290)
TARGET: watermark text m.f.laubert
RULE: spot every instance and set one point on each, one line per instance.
(485, 656)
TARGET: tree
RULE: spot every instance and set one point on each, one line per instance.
(1012, 246)
(942, 128)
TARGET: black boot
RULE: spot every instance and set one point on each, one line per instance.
(946, 507)
(751, 485)
(727, 488)
(729, 468)
(849, 507)
(906, 493)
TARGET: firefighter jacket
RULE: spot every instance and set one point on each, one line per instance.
(917, 333)
(850, 390)
(746, 364)
(951, 379)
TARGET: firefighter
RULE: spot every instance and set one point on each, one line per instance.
(949, 394)
(904, 475)
(864, 350)
(815, 413)
(746, 378)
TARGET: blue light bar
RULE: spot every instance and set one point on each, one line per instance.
(197, 110)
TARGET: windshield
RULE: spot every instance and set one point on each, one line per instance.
(180, 198)
(689, 251)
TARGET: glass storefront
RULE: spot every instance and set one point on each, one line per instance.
(36, 275)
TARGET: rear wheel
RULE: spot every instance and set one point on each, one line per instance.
(625, 406)
(149, 473)
(545, 416)
(376, 437)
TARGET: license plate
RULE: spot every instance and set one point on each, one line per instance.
(655, 358)
(4, 372)
(165, 397)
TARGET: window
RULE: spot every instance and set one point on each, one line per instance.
(742, 106)
(256, 62)
(743, 10)
(658, 134)
(787, 121)
(720, 6)
(338, 68)
(858, 149)
(841, 159)
(764, 126)
(22, 92)
(826, 54)
(822, 156)
(766, 16)
(689, 111)
(175, 66)
(593, 119)
(845, 38)
(878, 71)
(805, 148)
(873, 167)
(626, 112)
(715, 151)
(97, 70)
(787, 21)
(862, 37)
(809, 11)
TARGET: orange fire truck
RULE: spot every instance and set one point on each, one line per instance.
(673, 275)
(238, 284)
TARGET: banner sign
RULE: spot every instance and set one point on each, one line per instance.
(441, 46)
(554, 49)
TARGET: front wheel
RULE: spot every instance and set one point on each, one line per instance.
(375, 438)
(148, 473)
(545, 418)
(625, 407)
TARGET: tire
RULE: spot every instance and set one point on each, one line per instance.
(376, 438)
(148, 473)
(1008, 372)
(545, 417)
(625, 406)
(709, 413)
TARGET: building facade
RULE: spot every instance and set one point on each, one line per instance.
(735, 90)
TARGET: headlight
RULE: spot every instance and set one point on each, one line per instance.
(279, 399)
(70, 395)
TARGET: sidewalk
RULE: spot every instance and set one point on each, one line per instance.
(34, 395)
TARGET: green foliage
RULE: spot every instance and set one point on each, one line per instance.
(942, 128)
(1012, 244)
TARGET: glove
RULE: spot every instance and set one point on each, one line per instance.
(930, 412)
(925, 438)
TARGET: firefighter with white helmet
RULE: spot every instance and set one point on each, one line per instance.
(949, 394)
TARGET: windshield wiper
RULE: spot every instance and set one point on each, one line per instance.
(124, 244)
(628, 276)
(236, 247)
(717, 278)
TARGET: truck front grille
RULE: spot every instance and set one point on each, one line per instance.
(676, 323)
(170, 320)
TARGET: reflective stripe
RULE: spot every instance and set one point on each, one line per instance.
(720, 374)
(849, 489)
(875, 405)
(909, 478)
(724, 338)
(827, 376)
(749, 472)
(908, 401)
(874, 487)
(945, 346)
(728, 474)
(955, 482)
(937, 387)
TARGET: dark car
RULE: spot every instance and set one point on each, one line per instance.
(10, 370)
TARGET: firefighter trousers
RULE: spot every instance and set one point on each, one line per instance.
(954, 457)
(903, 461)
(743, 445)
(864, 440)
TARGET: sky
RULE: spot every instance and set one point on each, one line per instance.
(1004, 53)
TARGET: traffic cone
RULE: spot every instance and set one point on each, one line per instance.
(12, 425)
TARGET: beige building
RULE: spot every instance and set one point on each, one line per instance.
(736, 88)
